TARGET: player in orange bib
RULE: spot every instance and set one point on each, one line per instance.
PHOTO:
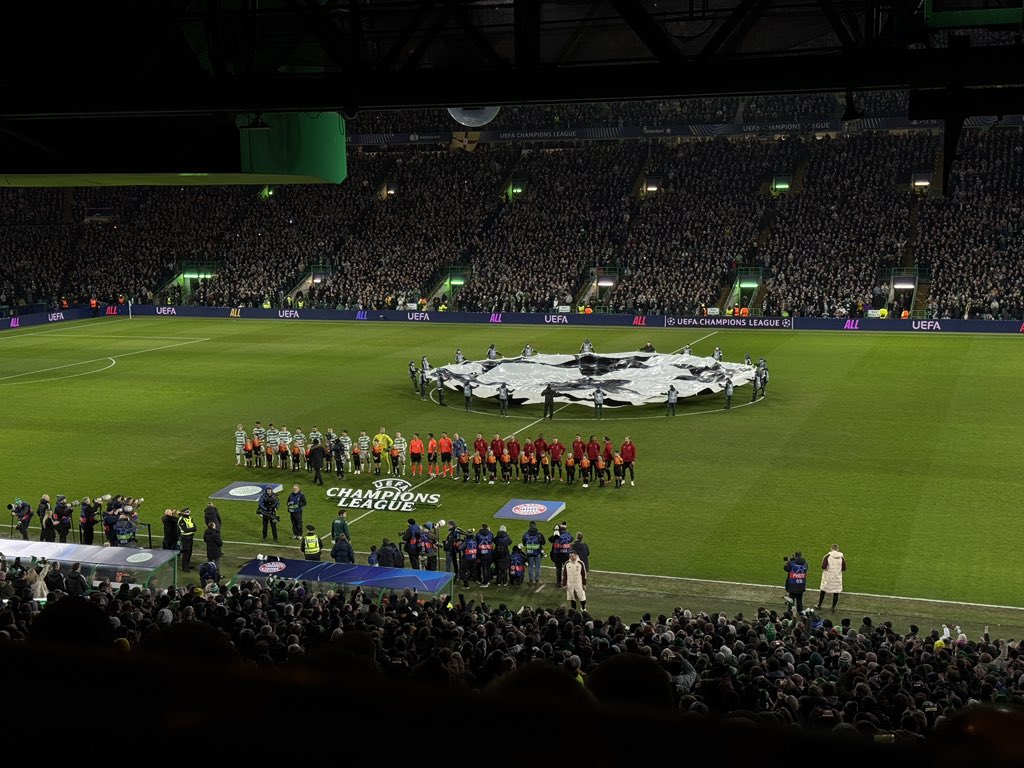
(570, 469)
(257, 451)
(492, 467)
(506, 467)
(524, 467)
(248, 453)
(478, 467)
(296, 458)
(545, 466)
(415, 455)
(282, 455)
(376, 451)
(618, 469)
(585, 471)
(445, 444)
(601, 466)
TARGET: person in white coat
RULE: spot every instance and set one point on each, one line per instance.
(832, 567)
(574, 576)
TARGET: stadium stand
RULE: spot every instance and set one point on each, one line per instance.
(969, 239)
(572, 214)
(687, 236)
(827, 248)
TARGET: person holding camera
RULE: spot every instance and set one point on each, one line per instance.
(62, 518)
(533, 543)
(452, 549)
(87, 521)
(796, 579)
(266, 508)
(22, 512)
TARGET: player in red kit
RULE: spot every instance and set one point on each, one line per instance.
(480, 445)
(593, 450)
(540, 444)
(514, 449)
(497, 445)
(579, 449)
(628, 454)
(606, 453)
(557, 449)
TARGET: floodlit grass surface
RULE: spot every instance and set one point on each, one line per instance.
(903, 449)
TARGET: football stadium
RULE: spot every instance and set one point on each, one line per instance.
(641, 405)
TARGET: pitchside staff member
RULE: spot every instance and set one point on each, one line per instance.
(296, 503)
(188, 534)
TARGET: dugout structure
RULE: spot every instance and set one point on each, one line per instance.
(152, 568)
(383, 579)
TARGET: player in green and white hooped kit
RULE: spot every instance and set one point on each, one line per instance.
(272, 434)
(398, 461)
(363, 441)
(346, 447)
(239, 444)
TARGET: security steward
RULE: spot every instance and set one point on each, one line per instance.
(310, 544)
(187, 527)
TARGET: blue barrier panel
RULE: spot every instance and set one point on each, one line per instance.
(908, 326)
(43, 318)
(528, 318)
(368, 577)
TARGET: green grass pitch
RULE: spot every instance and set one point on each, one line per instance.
(904, 449)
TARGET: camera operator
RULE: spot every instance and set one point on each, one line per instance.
(266, 508)
(87, 520)
(22, 512)
(796, 579)
(43, 506)
(169, 521)
(451, 549)
(125, 529)
(62, 518)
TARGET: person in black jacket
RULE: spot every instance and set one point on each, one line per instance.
(502, 555)
(87, 521)
(316, 461)
(55, 580)
(266, 508)
(76, 584)
(211, 515)
(170, 523)
(342, 550)
(214, 544)
(582, 549)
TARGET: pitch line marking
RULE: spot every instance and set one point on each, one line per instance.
(694, 342)
(776, 587)
(100, 359)
(125, 336)
(113, 362)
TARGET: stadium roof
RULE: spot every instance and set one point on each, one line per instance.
(162, 57)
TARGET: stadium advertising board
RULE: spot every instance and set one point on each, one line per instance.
(524, 318)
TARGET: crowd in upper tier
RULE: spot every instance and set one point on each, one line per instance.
(532, 226)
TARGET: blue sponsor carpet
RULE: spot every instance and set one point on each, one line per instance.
(530, 509)
(249, 491)
(365, 576)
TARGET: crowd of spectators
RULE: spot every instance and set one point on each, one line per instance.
(529, 117)
(441, 202)
(792, 108)
(972, 238)
(698, 223)
(883, 103)
(572, 214)
(851, 218)
(856, 678)
(388, 234)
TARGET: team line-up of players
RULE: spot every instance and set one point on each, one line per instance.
(532, 460)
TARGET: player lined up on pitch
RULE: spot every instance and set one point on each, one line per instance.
(531, 460)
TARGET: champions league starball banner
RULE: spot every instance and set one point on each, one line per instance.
(247, 491)
(530, 509)
(626, 378)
